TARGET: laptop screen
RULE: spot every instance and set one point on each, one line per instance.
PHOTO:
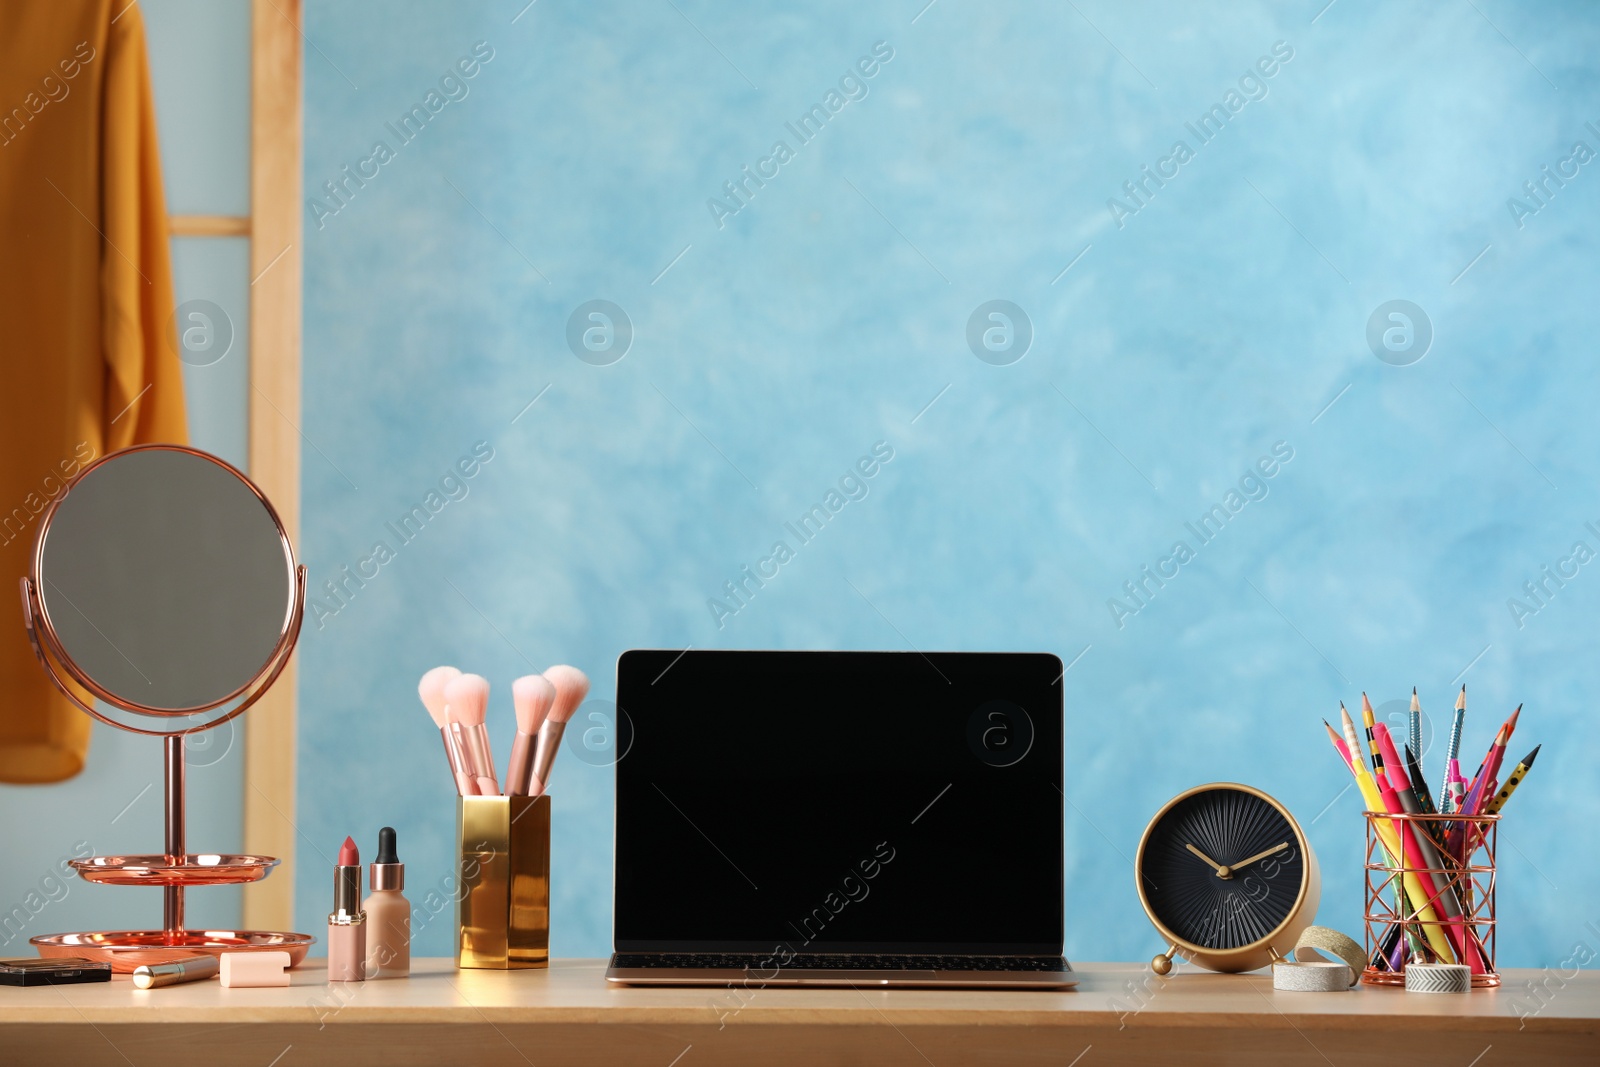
(839, 802)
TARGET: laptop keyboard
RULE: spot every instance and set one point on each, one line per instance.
(764, 964)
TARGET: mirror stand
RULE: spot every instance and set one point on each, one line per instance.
(175, 782)
(101, 566)
(175, 869)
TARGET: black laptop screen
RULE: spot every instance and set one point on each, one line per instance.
(839, 802)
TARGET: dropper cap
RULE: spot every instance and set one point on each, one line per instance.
(387, 870)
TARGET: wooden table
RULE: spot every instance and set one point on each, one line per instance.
(1120, 1014)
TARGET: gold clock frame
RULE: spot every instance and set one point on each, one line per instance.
(1275, 945)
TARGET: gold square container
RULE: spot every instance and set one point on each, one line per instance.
(503, 905)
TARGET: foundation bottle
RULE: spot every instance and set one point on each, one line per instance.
(388, 913)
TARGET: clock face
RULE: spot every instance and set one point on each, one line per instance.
(1222, 868)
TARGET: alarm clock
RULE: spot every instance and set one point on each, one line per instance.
(1228, 878)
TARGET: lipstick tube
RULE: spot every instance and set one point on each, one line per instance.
(191, 969)
(347, 927)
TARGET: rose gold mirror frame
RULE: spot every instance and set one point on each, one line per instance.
(126, 949)
(42, 633)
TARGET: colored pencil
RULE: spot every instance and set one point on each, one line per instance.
(1452, 751)
(1368, 720)
(1419, 787)
(1517, 775)
(1338, 742)
(1415, 742)
(1491, 766)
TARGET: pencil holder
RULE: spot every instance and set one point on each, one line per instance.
(503, 861)
(1430, 894)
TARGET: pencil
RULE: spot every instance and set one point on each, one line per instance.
(1418, 786)
(1368, 720)
(1452, 751)
(1338, 742)
(1515, 780)
(1491, 765)
(1416, 744)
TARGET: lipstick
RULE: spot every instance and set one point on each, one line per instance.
(347, 924)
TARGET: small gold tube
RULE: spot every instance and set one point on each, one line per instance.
(188, 969)
(503, 903)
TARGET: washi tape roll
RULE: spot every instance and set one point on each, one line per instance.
(1438, 978)
(1311, 976)
(1319, 975)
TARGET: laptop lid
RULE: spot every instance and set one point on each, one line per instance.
(879, 802)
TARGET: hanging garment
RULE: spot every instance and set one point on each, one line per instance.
(88, 359)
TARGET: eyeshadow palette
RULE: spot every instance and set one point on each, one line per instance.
(62, 970)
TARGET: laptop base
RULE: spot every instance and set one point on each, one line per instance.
(989, 973)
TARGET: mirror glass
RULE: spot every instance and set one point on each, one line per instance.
(166, 579)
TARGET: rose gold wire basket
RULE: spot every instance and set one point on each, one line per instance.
(1456, 909)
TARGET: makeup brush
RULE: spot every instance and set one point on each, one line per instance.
(467, 701)
(531, 695)
(571, 686)
(431, 690)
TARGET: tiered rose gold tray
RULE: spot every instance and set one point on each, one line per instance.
(127, 949)
(194, 869)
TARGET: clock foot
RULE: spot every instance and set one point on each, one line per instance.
(1162, 964)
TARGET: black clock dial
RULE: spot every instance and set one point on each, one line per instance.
(1204, 874)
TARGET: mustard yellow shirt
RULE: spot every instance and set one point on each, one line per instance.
(88, 362)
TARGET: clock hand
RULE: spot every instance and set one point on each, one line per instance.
(1261, 855)
(1222, 872)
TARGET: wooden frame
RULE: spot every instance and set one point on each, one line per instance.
(208, 225)
(274, 229)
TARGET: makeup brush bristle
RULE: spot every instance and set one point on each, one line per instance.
(571, 686)
(431, 690)
(532, 695)
(467, 699)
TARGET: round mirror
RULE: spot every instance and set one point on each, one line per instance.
(165, 582)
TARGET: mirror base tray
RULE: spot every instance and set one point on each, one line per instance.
(202, 869)
(127, 949)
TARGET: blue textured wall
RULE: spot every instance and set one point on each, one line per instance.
(1178, 336)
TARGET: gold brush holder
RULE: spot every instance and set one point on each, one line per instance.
(503, 861)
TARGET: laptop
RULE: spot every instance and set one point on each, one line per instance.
(839, 818)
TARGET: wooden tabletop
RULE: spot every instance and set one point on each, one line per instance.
(1119, 1014)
